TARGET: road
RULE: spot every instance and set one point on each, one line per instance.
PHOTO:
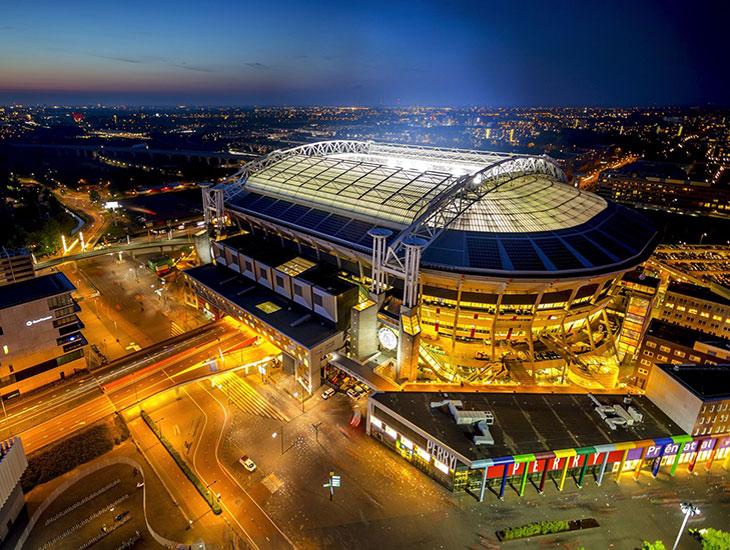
(76, 200)
(45, 417)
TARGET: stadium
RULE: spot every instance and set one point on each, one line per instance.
(468, 267)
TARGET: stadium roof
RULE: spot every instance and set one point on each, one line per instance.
(500, 213)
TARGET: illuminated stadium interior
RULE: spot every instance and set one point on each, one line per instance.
(492, 269)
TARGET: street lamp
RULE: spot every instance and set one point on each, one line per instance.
(702, 237)
(689, 509)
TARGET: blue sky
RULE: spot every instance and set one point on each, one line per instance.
(364, 53)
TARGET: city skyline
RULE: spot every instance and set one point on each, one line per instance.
(408, 54)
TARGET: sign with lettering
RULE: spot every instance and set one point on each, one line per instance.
(441, 454)
(36, 321)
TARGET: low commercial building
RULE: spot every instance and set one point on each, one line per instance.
(696, 307)
(12, 501)
(299, 305)
(40, 334)
(475, 441)
(697, 397)
(668, 343)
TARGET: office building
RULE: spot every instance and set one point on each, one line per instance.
(16, 264)
(696, 397)
(40, 334)
(696, 307)
(12, 501)
(668, 343)
(668, 186)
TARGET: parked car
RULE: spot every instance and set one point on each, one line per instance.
(352, 394)
(247, 463)
(329, 392)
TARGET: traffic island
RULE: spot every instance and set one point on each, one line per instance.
(207, 495)
(545, 528)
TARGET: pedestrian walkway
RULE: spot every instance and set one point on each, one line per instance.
(241, 394)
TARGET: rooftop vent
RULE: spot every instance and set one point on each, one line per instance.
(616, 415)
(481, 419)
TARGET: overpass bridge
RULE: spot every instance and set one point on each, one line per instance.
(169, 244)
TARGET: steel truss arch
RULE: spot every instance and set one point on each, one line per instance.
(465, 192)
(234, 184)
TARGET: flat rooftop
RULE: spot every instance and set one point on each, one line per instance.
(296, 322)
(683, 336)
(268, 251)
(699, 292)
(708, 382)
(37, 288)
(527, 422)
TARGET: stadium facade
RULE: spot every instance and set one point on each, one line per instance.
(470, 266)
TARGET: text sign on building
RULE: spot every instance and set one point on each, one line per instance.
(36, 321)
(441, 454)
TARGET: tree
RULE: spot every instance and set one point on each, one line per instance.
(656, 545)
(713, 539)
(94, 196)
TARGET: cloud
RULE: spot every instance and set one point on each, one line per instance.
(9, 28)
(122, 59)
(184, 65)
(157, 60)
(258, 66)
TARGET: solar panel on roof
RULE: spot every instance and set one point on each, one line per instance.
(312, 218)
(483, 253)
(293, 213)
(331, 225)
(354, 231)
(261, 205)
(522, 255)
(588, 250)
(559, 254)
(614, 247)
(277, 208)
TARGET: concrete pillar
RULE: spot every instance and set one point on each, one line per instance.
(676, 459)
(484, 484)
(602, 471)
(564, 474)
(524, 479)
(712, 455)
(504, 482)
(621, 465)
(640, 464)
(377, 275)
(583, 471)
(544, 475)
(658, 463)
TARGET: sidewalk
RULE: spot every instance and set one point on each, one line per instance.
(178, 490)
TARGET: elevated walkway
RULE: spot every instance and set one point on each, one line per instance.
(362, 373)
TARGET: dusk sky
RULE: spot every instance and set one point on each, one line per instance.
(364, 53)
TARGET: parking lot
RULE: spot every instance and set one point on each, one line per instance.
(102, 510)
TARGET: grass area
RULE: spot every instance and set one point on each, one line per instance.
(204, 492)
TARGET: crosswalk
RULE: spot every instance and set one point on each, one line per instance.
(246, 398)
(175, 329)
